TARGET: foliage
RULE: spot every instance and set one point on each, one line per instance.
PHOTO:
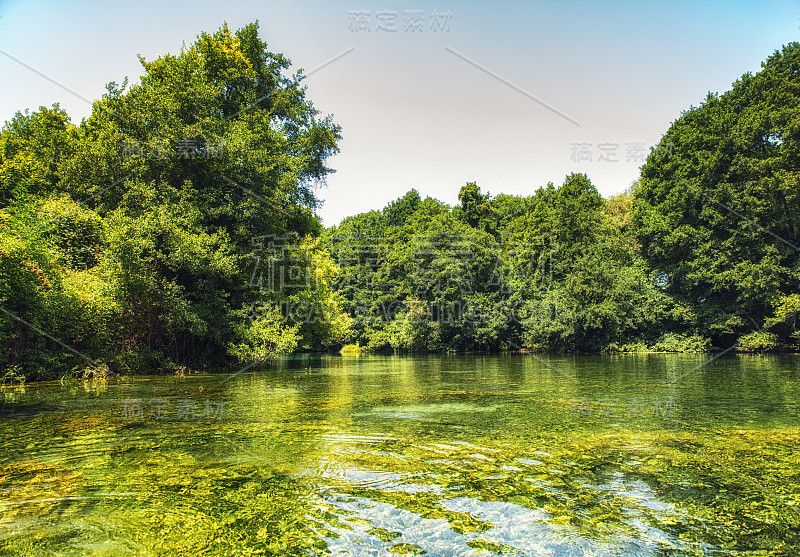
(176, 226)
(557, 271)
(130, 237)
(716, 209)
(758, 341)
(33, 149)
(675, 342)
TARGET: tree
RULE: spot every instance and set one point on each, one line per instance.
(215, 151)
(397, 212)
(473, 203)
(33, 149)
(717, 207)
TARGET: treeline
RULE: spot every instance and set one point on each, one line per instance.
(556, 271)
(701, 253)
(176, 226)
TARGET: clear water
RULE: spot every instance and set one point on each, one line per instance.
(642, 455)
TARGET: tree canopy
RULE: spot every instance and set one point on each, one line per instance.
(134, 237)
(176, 226)
(717, 213)
(557, 271)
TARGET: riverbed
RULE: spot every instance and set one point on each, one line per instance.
(629, 455)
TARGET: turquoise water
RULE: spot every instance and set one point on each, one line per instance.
(443, 455)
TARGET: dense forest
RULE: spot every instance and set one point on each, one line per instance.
(175, 227)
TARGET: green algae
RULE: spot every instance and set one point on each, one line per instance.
(390, 454)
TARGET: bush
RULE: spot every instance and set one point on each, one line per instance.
(353, 349)
(757, 342)
(379, 341)
(76, 232)
(681, 342)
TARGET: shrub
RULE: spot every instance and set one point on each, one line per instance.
(681, 342)
(762, 341)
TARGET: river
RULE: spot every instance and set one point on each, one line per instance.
(629, 455)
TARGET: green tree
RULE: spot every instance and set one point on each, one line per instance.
(179, 177)
(716, 210)
(473, 203)
(33, 150)
(397, 212)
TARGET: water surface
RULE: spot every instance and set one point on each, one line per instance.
(643, 455)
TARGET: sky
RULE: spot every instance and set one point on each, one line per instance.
(430, 95)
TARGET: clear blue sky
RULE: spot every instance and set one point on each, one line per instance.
(486, 92)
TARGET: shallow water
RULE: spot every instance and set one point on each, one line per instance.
(447, 455)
